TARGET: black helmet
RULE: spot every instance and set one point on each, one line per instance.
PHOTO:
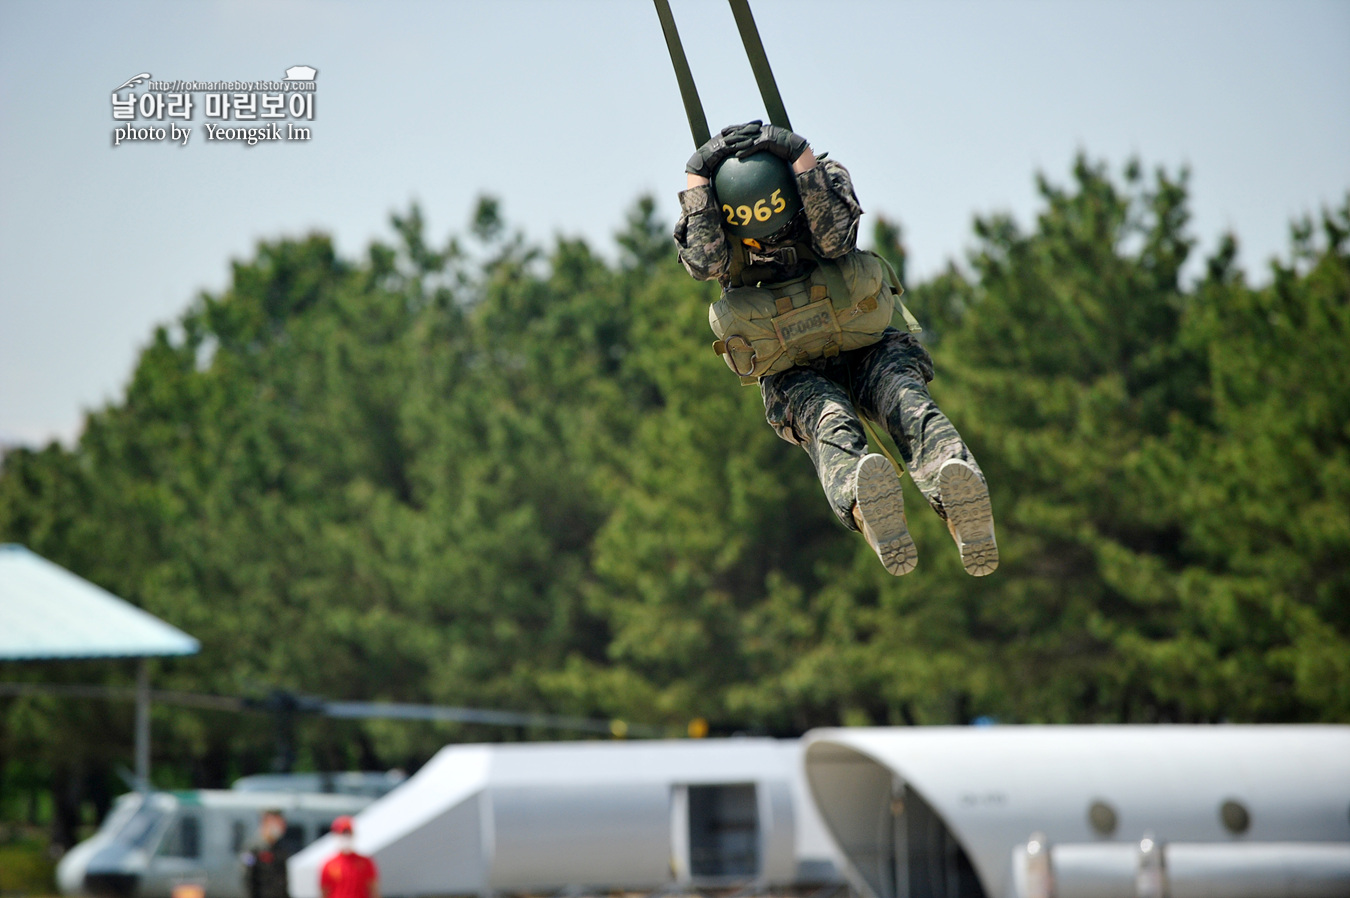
(757, 194)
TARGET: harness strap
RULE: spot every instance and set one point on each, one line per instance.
(829, 270)
(874, 440)
(759, 63)
(911, 322)
(693, 107)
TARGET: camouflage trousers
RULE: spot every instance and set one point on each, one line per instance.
(817, 407)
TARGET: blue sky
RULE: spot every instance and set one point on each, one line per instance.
(568, 111)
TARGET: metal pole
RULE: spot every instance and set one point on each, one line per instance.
(143, 725)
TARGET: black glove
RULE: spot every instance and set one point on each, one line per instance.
(783, 143)
(728, 142)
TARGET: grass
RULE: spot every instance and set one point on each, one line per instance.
(27, 867)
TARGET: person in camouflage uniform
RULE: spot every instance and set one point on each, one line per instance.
(816, 403)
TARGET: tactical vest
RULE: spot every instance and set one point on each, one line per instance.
(841, 304)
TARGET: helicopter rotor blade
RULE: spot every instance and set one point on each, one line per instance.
(398, 711)
(289, 704)
(124, 693)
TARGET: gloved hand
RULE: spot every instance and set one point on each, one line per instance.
(728, 142)
(784, 144)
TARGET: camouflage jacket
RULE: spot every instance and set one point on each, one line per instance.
(830, 206)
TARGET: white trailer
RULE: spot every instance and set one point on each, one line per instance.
(1079, 811)
(543, 817)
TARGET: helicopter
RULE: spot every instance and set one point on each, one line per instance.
(185, 843)
(188, 843)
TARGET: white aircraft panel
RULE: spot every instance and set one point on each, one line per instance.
(432, 808)
(452, 842)
(994, 786)
(587, 835)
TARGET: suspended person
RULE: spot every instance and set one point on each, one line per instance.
(806, 315)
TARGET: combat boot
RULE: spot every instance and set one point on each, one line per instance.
(879, 509)
(970, 518)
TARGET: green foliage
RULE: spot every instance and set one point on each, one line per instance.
(490, 475)
(26, 868)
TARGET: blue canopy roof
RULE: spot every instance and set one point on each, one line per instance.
(48, 612)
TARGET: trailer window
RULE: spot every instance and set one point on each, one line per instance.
(723, 831)
(293, 839)
(928, 861)
(184, 838)
(142, 826)
(238, 833)
(121, 814)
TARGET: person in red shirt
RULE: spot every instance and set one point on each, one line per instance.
(348, 874)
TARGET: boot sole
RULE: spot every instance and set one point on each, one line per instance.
(965, 498)
(881, 503)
